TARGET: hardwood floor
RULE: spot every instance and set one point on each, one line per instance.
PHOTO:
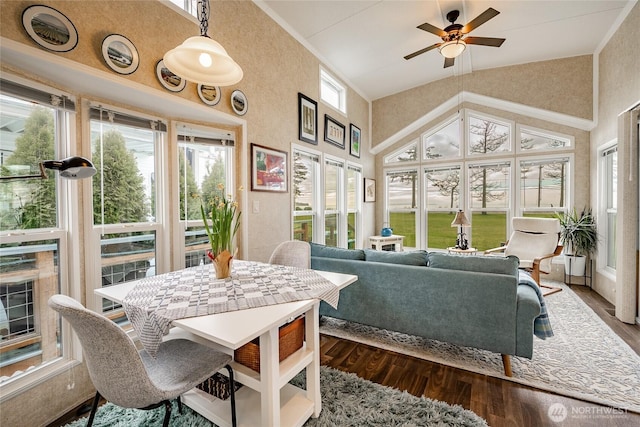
(500, 402)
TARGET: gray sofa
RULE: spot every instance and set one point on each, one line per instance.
(465, 300)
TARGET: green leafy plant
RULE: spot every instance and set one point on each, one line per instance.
(221, 222)
(578, 232)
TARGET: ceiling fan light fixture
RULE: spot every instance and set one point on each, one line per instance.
(452, 48)
(200, 59)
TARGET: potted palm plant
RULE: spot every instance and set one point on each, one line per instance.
(579, 237)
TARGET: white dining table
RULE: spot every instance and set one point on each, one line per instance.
(267, 399)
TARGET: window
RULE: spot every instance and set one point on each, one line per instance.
(543, 186)
(205, 161)
(537, 140)
(189, 6)
(333, 92)
(444, 142)
(354, 205)
(333, 201)
(35, 125)
(127, 215)
(402, 204)
(306, 182)
(406, 154)
(487, 135)
(609, 205)
(442, 196)
(490, 202)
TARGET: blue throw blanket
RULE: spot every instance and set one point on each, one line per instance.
(541, 325)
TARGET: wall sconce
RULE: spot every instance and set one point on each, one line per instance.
(70, 168)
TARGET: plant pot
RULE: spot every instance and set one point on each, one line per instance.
(574, 265)
(222, 263)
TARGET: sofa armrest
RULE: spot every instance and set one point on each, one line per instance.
(528, 308)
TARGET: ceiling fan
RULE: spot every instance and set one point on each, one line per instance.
(453, 37)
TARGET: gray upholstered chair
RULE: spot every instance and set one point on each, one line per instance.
(294, 253)
(130, 378)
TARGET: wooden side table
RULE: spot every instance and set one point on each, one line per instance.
(379, 243)
(469, 251)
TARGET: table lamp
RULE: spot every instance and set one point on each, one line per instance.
(461, 221)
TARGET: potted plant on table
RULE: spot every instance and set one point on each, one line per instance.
(578, 234)
(225, 221)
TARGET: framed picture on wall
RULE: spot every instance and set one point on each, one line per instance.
(307, 119)
(369, 190)
(354, 144)
(333, 131)
(269, 170)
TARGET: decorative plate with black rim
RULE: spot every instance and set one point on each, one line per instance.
(239, 102)
(49, 28)
(120, 54)
(210, 95)
(167, 79)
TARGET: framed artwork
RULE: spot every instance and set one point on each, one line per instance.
(239, 102)
(120, 54)
(167, 79)
(307, 119)
(210, 95)
(333, 131)
(49, 28)
(369, 190)
(354, 145)
(269, 170)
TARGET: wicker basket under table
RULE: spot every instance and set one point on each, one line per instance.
(291, 337)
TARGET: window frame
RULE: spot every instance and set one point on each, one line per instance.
(328, 79)
(510, 124)
(429, 133)
(605, 184)
(359, 199)
(66, 232)
(341, 194)
(317, 195)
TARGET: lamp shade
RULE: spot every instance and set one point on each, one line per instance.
(460, 220)
(452, 49)
(203, 60)
(72, 167)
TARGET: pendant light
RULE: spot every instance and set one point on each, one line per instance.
(200, 59)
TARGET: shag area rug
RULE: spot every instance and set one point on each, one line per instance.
(584, 359)
(347, 401)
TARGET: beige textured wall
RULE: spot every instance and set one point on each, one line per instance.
(562, 86)
(276, 68)
(619, 89)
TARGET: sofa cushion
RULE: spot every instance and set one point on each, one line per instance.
(323, 251)
(485, 264)
(417, 257)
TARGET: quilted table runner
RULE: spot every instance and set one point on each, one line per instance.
(156, 301)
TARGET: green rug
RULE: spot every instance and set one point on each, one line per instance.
(347, 401)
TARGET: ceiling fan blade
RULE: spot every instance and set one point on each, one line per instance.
(485, 41)
(421, 51)
(433, 30)
(479, 20)
(448, 62)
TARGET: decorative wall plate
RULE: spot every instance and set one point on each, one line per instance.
(49, 28)
(120, 54)
(169, 80)
(239, 102)
(210, 95)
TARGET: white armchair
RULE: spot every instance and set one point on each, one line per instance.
(535, 241)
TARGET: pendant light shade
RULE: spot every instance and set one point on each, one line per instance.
(200, 59)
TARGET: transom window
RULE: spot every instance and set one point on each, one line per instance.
(333, 92)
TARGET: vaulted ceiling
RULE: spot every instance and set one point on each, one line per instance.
(365, 41)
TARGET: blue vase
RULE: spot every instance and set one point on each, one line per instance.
(386, 231)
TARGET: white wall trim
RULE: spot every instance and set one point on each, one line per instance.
(513, 107)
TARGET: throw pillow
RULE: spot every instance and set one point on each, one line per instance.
(484, 264)
(323, 251)
(418, 257)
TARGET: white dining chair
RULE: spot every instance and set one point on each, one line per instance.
(293, 253)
